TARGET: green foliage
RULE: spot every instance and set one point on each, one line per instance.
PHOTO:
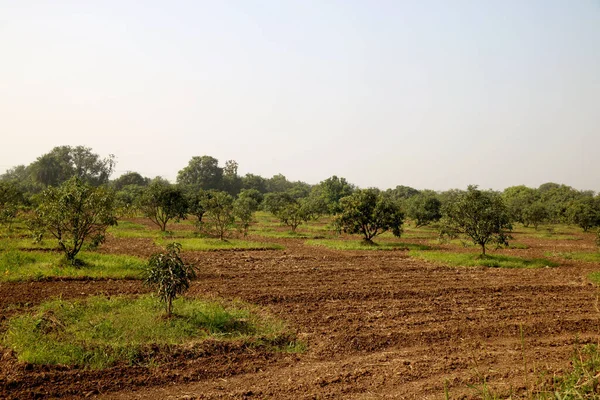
(202, 173)
(557, 199)
(197, 202)
(219, 208)
(585, 212)
(424, 208)
(64, 162)
(472, 260)
(11, 199)
(130, 178)
(401, 193)
(479, 215)
(256, 182)
(75, 212)
(162, 202)
(99, 332)
(244, 208)
(290, 211)
(232, 183)
(517, 200)
(331, 191)
(169, 275)
(370, 213)
(535, 214)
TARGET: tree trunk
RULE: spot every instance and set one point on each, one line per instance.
(483, 249)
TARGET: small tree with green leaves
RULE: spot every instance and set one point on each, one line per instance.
(291, 211)
(370, 212)
(11, 198)
(76, 212)
(585, 212)
(244, 208)
(169, 275)
(219, 209)
(479, 215)
(534, 214)
(424, 208)
(162, 202)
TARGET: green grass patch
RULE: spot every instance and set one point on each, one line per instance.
(361, 245)
(28, 243)
(472, 260)
(17, 265)
(552, 236)
(573, 255)
(98, 332)
(209, 244)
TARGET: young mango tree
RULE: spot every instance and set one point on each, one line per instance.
(162, 202)
(220, 211)
(169, 275)
(479, 215)
(370, 212)
(75, 212)
(291, 211)
(244, 208)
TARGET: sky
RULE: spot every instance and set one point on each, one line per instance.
(424, 93)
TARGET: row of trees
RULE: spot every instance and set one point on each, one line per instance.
(550, 203)
(204, 188)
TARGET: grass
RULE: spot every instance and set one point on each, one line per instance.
(28, 243)
(574, 255)
(98, 332)
(472, 260)
(17, 265)
(360, 245)
(209, 244)
(581, 381)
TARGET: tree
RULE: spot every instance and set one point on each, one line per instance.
(169, 275)
(557, 199)
(517, 200)
(244, 208)
(197, 203)
(162, 202)
(278, 184)
(370, 213)
(64, 162)
(331, 191)
(480, 215)
(11, 198)
(202, 173)
(402, 192)
(232, 183)
(219, 208)
(534, 214)
(74, 213)
(251, 181)
(130, 178)
(289, 210)
(585, 212)
(424, 208)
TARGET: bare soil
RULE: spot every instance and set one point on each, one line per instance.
(377, 325)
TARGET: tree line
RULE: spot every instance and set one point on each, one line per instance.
(60, 186)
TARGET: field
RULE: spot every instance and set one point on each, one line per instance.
(408, 319)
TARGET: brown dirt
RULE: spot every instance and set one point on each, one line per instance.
(377, 324)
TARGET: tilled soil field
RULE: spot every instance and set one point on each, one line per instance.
(377, 324)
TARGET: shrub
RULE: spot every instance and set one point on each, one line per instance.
(169, 275)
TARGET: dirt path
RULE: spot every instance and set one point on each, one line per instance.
(377, 325)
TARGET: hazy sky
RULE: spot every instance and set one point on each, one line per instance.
(429, 94)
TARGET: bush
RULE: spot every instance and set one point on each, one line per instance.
(169, 275)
